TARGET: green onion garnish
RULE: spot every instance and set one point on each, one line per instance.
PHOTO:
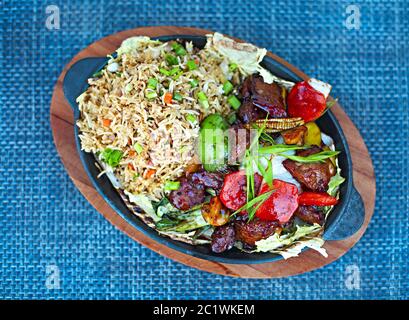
(150, 95)
(171, 59)
(178, 48)
(111, 157)
(194, 83)
(191, 118)
(177, 96)
(172, 185)
(233, 67)
(234, 102)
(191, 64)
(164, 71)
(201, 96)
(231, 118)
(152, 83)
(227, 87)
(174, 71)
(97, 74)
(138, 148)
(316, 157)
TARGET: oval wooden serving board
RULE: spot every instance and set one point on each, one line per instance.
(62, 127)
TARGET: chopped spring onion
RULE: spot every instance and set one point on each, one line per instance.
(97, 74)
(174, 71)
(233, 67)
(231, 118)
(177, 96)
(227, 87)
(316, 157)
(164, 71)
(152, 83)
(179, 50)
(191, 118)
(201, 96)
(234, 102)
(111, 157)
(191, 64)
(171, 185)
(150, 95)
(194, 83)
(171, 59)
(138, 148)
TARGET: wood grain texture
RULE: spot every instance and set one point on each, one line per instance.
(63, 133)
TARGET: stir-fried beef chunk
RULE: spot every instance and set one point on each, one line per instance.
(313, 176)
(310, 214)
(212, 180)
(260, 99)
(255, 230)
(192, 189)
(188, 195)
(223, 238)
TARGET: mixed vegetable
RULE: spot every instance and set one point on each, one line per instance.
(275, 194)
(267, 178)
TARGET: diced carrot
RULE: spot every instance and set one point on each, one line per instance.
(168, 98)
(149, 173)
(106, 122)
(131, 153)
(131, 167)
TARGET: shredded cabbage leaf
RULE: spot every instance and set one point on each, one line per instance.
(134, 43)
(294, 242)
(335, 182)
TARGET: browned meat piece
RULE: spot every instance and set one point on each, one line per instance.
(312, 176)
(188, 195)
(260, 99)
(255, 230)
(294, 136)
(212, 180)
(310, 214)
(223, 238)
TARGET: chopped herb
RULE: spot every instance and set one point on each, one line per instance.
(279, 148)
(111, 157)
(97, 74)
(174, 71)
(194, 83)
(177, 96)
(191, 118)
(171, 59)
(227, 87)
(233, 67)
(150, 95)
(261, 198)
(232, 118)
(178, 48)
(171, 185)
(191, 64)
(234, 102)
(316, 157)
(164, 71)
(138, 148)
(201, 96)
(152, 83)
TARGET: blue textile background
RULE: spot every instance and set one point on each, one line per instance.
(45, 222)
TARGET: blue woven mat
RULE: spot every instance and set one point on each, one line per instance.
(53, 244)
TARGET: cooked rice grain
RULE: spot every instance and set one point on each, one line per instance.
(168, 139)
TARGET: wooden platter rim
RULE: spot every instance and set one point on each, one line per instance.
(62, 125)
